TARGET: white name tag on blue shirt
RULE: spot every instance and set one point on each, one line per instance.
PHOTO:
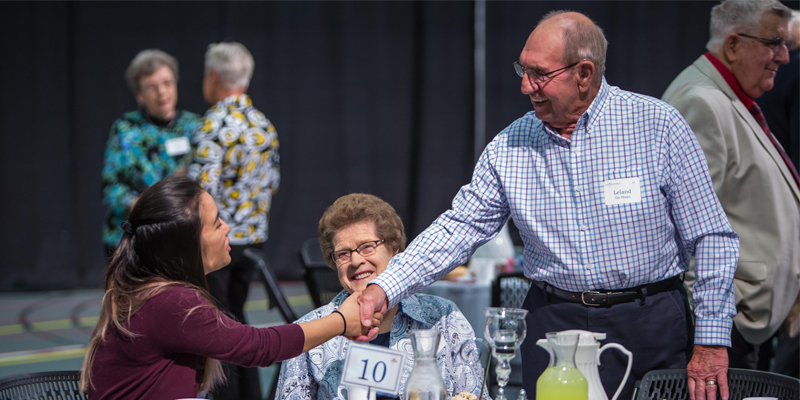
(622, 191)
(177, 146)
(373, 366)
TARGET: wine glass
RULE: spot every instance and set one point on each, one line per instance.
(505, 330)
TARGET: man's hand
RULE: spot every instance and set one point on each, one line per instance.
(709, 363)
(373, 300)
(350, 310)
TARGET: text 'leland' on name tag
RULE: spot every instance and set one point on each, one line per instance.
(177, 146)
(622, 191)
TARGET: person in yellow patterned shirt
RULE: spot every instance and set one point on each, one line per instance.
(236, 161)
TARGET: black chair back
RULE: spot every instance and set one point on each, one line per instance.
(509, 290)
(322, 282)
(58, 385)
(742, 383)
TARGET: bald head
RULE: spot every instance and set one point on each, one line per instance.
(563, 61)
(580, 38)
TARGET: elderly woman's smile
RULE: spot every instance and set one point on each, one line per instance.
(362, 275)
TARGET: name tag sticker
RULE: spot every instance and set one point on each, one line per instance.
(622, 191)
(375, 367)
(177, 146)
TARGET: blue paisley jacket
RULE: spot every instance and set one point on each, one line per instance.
(317, 373)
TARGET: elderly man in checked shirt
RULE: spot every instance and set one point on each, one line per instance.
(612, 196)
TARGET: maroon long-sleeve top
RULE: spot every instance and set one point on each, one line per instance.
(166, 360)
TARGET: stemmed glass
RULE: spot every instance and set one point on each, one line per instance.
(505, 330)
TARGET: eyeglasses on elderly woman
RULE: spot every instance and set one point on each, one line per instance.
(365, 249)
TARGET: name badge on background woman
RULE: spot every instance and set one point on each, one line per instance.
(177, 146)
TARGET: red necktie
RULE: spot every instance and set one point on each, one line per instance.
(755, 110)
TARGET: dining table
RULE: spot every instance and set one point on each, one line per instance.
(470, 297)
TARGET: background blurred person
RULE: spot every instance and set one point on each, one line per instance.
(755, 181)
(358, 234)
(781, 105)
(159, 335)
(236, 161)
(145, 145)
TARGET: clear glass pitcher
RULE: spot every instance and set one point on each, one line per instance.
(425, 382)
(562, 380)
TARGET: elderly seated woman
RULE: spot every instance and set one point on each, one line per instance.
(359, 234)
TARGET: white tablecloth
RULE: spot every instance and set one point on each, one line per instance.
(471, 299)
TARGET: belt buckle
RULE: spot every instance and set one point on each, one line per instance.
(583, 300)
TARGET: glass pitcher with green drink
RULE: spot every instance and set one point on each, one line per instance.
(562, 380)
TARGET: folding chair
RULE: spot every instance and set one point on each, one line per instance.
(57, 385)
(322, 281)
(277, 299)
(742, 383)
(509, 290)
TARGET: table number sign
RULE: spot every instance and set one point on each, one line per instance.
(373, 367)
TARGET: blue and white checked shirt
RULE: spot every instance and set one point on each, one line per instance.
(553, 188)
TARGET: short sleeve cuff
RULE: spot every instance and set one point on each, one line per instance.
(713, 331)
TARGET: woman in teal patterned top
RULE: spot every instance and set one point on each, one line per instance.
(146, 145)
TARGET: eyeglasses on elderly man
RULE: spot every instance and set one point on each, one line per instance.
(538, 76)
(775, 43)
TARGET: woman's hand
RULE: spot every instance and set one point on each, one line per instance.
(350, 310)
(321, 330)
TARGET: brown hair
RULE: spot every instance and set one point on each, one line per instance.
(162, 249)
(359, 207)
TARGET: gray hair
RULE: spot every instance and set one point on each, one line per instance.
(233, 63)
(732, 15)
(147, 62)
(583, 41)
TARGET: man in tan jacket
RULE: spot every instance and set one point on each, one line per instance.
(754, 179)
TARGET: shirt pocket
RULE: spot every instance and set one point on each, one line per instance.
(627, 212)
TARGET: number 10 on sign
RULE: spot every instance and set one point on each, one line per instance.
(373, 367)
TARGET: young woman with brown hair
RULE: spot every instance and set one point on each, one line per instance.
(160, 336)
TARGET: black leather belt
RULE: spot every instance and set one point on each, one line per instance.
(607, 298)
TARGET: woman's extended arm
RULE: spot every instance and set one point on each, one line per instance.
(326, 328)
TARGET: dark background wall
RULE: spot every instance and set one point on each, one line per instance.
(367, 96)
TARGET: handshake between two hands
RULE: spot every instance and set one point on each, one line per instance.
(363, 313)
